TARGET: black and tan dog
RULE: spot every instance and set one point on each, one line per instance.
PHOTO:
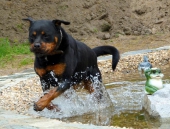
(61, 61)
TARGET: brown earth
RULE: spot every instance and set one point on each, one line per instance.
(126, 24)
(89, 18)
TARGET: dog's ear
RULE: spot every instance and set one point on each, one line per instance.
(58, 22)
(29, 19)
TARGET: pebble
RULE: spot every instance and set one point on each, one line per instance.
(129, 64)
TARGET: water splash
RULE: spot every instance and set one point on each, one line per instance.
(78, 102)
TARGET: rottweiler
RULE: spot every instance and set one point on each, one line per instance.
(61, 61)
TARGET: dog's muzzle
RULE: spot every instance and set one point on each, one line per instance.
(37, 45)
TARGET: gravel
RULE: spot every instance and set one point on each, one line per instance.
(21, 96)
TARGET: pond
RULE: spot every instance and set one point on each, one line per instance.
(126, 95)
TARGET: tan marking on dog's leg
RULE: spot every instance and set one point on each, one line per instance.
(40, 71)
(45, 100)
(88, 86)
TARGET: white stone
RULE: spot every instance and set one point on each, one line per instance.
(158, 104)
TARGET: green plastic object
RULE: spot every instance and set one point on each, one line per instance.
(153, 80)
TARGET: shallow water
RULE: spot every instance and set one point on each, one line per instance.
(126, 95)
(127, 105)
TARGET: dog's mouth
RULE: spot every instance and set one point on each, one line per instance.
(37, 51)
(40, 52)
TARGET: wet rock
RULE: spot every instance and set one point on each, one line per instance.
(158, 104)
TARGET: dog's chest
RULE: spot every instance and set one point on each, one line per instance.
(57, 69)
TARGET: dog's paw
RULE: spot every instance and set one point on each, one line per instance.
(52, 106)
(43, 102)
(37, 107)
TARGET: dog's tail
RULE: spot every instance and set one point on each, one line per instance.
(103, 50)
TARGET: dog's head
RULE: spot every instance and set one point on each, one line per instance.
(45, 36)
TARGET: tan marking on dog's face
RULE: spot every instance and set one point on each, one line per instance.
(58, 69)
(42, 32)
(48, 48)
(34, 33)
(31, 46)
(40, 71)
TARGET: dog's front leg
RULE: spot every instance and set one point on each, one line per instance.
(45, 100)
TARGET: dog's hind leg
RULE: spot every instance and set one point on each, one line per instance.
(96, 79)
(88, 86)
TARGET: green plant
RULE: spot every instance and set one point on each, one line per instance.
(95, 30)
(9, 52)
(63, 7)
(26, 61)
(20, 26)
(4, 47)
(116, 35)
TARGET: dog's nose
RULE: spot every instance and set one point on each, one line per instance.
(37, 45)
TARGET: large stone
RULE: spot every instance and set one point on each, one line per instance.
(158, 104)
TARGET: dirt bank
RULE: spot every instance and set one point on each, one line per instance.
(103, 19)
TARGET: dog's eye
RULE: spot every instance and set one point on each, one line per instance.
(46, 36)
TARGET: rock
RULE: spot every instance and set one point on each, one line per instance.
(158, 104)
(140, 11)
(106, 36)
(103, 36)
(103, 16)
(148, 31)
(136, 33)
(127, 30)
(154, 30)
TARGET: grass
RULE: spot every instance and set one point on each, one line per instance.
(15, 53)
